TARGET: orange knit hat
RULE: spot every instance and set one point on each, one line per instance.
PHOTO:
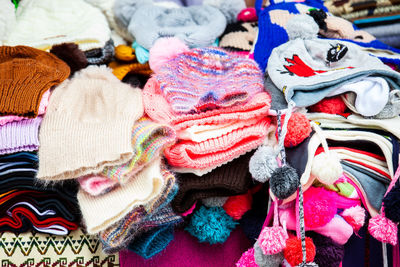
(25, 75)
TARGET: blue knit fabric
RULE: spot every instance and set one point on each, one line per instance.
(211, 225)
(152, 242)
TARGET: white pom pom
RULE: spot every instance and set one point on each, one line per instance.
(302, 26)
(165, 49)
(326, 167)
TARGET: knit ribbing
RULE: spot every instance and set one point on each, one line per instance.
(230, 179)
(20, 136)
(215, 151)
(25, 75)
(148, 140)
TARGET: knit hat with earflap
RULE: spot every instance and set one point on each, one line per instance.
(25, 75)
(42, 24)
(93, 106)
(307, 69)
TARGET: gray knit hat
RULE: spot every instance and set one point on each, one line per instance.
(307, 69)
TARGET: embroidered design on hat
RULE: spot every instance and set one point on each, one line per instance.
(336, 53)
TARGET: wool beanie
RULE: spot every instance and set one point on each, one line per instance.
(42, 109)
(197, 26)
(239, 37)
(41, 24)
(308, 69)
(25, 75)
(20, 136)
(148, 142)
(93, 106)
(100, 212)
(230, 179)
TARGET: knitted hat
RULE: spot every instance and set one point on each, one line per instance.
(239, 37)
(41, 24)
(197, 26)
(93, 106)
(308, 69)
(147, 185)
(230, 179)
(42, 109)
(207, 78)
(20, 136)
(148, 141)
(25, 75)
(7, 19)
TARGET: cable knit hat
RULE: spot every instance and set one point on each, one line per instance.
(307, 69)
(25, 75)
(41, 24)
(96, 107)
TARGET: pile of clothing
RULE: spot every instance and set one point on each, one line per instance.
(196, 133)
(379, 18)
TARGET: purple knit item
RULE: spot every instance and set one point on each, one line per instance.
(20, 136)
(208, 78)
(185, 250)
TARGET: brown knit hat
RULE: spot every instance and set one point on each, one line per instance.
(228, 180)
(25, 74)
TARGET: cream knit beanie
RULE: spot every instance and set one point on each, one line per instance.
(7, 19)
(100, 212)
(88, 125)
(44, 23)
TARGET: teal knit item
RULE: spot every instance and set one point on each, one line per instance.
(152, 242)
(211, 225)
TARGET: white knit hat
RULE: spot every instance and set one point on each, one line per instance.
(44, 23)
(100, 212)
(88, 125)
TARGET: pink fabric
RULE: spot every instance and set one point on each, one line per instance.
(158, 109)
(216, 151)
(186, 250)
(96, 184)
(337, 229)
(189, 211)
(42, 109)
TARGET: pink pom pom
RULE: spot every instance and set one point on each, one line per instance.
(383, 229)
(247, 15)
(333, 105)
(298, 129)
(165, 49)
(319, 207)
(355, 216)
(272, 240)
(247, 259)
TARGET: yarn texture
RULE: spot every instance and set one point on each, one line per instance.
(237, 206)
(272, 240)
(355, 216)
(263, 260)
(319, 207)
(298, 129)
(293, 252)
(328, 253)
(284, 182)
(326, 167)
(332, 105)
(383, 229)
(391, 203)
(302, 26)
(247, 259)
(263, 163)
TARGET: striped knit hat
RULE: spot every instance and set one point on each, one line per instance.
(208, 78)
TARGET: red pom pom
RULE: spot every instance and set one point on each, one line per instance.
(298, 129)
(293, 253)
(238, 205)
(332, 105)
(319, 207)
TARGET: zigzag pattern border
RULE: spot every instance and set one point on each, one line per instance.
(109, 261)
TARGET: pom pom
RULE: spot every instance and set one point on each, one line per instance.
(247, 15)
(298, 129)
(211, 225)
(332, 105)
(355, 216)
(383, 229)
(391, 203)
(272, 240)
(284, 182)
(302, 26)
(319, 207)
(326, 167)
(328, 252)
(238, 205)
(263, 260)
(165, 49)
(293, 252)
(214, 201)
(70, 54)
(247, 259)
(263, 163)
